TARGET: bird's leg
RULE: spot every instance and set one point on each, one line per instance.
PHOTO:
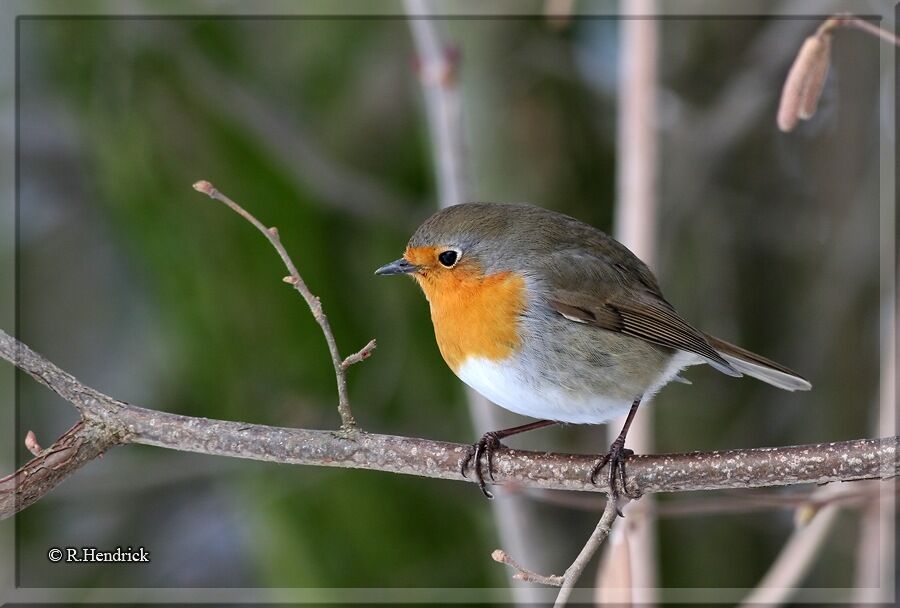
(616, 458)
(486, 446)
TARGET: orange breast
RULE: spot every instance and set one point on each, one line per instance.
(474, 315)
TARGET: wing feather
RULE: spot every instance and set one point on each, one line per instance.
(643, 318)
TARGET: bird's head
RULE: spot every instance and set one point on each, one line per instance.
(457, 245)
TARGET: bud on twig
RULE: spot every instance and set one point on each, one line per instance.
(805, 81)
(32, 444)
(806, 78)
(205, 187)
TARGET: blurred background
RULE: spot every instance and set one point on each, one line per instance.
(154, 294)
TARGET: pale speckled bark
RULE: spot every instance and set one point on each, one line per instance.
(109, 422)
(78, 446)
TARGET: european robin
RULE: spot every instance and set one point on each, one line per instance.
(553, 319)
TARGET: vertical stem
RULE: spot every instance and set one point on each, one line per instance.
(881, 521)
(876, 545)
(438, 69)
(438, 73)
(636, 228)
(573, 572)
(799, 553)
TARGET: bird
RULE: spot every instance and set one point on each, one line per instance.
(553, 319)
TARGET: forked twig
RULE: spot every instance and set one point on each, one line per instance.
(600, 534)
(524, 574)
(348, 423)
(566, 582)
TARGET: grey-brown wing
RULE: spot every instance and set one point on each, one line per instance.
(640, 316)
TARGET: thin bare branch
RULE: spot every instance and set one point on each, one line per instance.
(438, 74)
(566, 582)
(614, 582)
(795, 558)
(876, 545)
(636, 214)
(438, 66)
(109, 422)
(573, 572)
(848, 20)
(523, 573)
(348, 423)
(361, 355)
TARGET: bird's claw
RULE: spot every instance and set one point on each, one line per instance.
(485, 446)
(615, 457)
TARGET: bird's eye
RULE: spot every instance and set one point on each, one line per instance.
(448, 258)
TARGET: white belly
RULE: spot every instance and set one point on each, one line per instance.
(503, 385)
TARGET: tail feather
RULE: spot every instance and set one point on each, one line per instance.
(759, 367)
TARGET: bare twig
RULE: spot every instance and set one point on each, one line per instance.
(875, 558)
(361, 355)
(635, 227)
(795, 559)
(614, 583)
(566, 581)
(348, 423)
(876, 545)
(438, 73)
(573, 572)
(847, 20)
(438, 65)
(523, 573)
(109, 422)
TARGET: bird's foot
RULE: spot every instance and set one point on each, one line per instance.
(482, 448)
(616, 458)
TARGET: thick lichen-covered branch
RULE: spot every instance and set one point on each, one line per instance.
(108, 422)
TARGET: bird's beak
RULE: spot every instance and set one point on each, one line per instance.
(401, 266)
